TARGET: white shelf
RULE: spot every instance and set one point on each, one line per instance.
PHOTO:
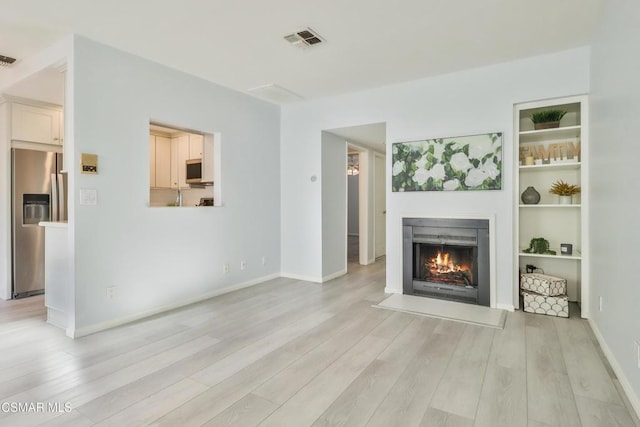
(568, 257)
(549, 219)
(554, 166)
(566, 132)
(551, 206)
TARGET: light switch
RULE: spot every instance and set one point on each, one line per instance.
(89, 163)
(88, 196)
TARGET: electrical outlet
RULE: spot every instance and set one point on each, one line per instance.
(264, 260)
(111, 292)
(243, 265)
(600, 303)
(225, 268)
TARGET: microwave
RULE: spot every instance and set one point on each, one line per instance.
(193, 171)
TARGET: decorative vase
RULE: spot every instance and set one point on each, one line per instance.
(566, 200)
(546, 125)
(530, 196)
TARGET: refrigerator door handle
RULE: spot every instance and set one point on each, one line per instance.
(62, 215)
(54, 197)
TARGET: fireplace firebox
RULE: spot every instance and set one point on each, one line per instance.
(447, 258)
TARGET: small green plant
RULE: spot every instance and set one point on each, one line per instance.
(561, 188)
(539, 245)
(546, 116)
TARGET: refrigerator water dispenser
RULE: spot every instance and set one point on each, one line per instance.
(35, 208)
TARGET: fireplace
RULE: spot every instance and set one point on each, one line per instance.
(447, 258)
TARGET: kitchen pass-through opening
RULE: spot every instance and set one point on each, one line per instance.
(182, 167)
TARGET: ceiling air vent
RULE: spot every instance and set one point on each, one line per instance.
(275, 93)
(5, 61)
(304, 38)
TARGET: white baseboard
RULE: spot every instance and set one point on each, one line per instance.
(633, 398)
(388, 290)
(313, 279)
(334, 275)
(508, 307)
(91, 329)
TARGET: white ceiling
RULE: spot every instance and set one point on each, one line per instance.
(372, 136)
(370, 43)
(46, 85)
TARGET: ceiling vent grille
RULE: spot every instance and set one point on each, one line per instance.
(274, 93)
(5, 61)
(304, 38)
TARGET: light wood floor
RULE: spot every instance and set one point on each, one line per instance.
(293, 353)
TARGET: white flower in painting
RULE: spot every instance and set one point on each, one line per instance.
(451, 185)
(491, 169)
(475, 177)
(394, 149)
(421, 162)
(421, 176)
(438, 149)
(480, 148)
(460, 162)
(398, 167)
(437, 171)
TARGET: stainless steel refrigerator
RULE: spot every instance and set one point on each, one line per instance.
(38, 194)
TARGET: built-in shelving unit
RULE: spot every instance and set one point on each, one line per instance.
(559, 154)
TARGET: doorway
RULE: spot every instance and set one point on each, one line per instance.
(361, 146)
(353, 206)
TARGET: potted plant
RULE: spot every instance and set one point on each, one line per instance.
(547, 119)
(539, 245)
(565, 191)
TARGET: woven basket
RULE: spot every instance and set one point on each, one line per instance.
(546, 125)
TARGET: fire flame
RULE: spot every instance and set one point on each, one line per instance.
(443, 264)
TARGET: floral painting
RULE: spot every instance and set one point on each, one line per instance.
(448, 164)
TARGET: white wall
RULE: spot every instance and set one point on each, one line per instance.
(334, 205)
(614, 173)
(468, 102)
(367, 194)
(162, 256)
(352, 204)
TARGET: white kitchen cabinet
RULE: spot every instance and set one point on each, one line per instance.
(183, 148)
(33, 123)
(179, 154)
(162, 158)
(557, 154)
(195, 146)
